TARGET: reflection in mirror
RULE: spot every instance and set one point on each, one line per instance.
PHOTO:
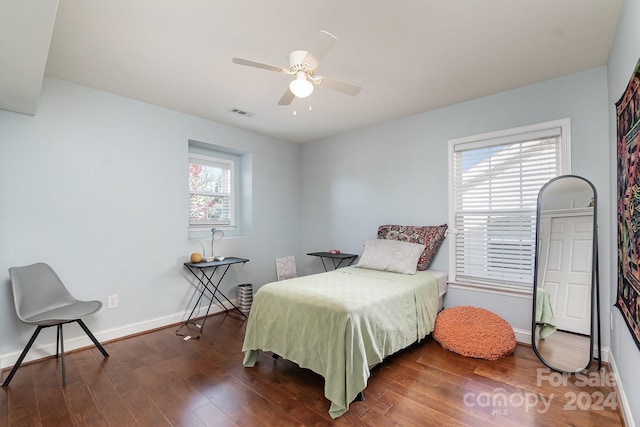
(565, 280)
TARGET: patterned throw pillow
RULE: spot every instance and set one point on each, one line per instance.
(430, 236)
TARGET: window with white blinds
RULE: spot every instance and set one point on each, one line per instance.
(211, 199)
(494, 183)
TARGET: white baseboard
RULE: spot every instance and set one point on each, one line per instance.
(522, 336)
(40, 351)
(627, 416)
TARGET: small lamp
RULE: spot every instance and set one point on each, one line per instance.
(301, 87)
(215, 235)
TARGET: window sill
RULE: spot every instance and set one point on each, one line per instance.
(205, 232)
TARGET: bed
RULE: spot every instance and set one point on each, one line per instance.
(340, 323)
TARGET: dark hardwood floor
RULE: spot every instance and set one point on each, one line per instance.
(157, 379)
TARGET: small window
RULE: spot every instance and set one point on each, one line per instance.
(211, 195)
(493, 184)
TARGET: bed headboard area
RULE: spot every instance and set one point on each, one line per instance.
(431, 236)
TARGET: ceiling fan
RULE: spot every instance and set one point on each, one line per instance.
(302, 65)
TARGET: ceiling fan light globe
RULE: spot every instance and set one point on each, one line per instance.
(301, 88)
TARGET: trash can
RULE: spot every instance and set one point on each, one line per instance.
(245, 297)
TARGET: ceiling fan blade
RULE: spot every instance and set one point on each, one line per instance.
(323, 45)
(340, 86)
(258, 65)
(287, 98)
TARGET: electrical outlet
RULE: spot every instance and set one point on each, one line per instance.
(112, 301)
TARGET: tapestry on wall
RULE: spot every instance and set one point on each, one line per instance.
(628, 141)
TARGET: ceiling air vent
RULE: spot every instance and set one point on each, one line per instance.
(242, 112)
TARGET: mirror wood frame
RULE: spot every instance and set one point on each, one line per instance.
(594, 326)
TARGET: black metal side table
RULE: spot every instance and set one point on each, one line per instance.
(336, 259)
(207, 271)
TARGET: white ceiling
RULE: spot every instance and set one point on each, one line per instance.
(409, 56)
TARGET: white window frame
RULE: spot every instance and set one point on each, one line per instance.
(212, 160)
(508, 136)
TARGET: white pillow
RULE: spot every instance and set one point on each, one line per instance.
(390, 255)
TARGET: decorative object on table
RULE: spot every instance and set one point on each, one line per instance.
(216, 234)
(628, 136)
(195, 257)
(286, 268)
(474, 332)
(334, 251)
(245, 297)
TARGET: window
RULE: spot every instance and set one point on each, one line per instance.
(220, 190)
(494, 180)
(211, 200)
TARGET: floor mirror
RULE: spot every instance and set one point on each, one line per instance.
(566, 309)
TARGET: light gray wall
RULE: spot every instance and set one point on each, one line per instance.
(96, 185)
(397, 173)
(622, 62)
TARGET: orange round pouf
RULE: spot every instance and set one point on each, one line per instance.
(474, 332)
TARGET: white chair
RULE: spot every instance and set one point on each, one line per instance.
(286, 268)
(41, 299)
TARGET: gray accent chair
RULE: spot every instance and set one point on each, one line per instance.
(41, 299)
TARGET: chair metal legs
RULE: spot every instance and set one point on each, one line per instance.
(58, 340)
(61, 340)
(59, 349)
(90, 335)
(24, 353)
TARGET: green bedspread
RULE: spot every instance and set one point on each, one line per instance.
(544, 313)
(340, 323)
